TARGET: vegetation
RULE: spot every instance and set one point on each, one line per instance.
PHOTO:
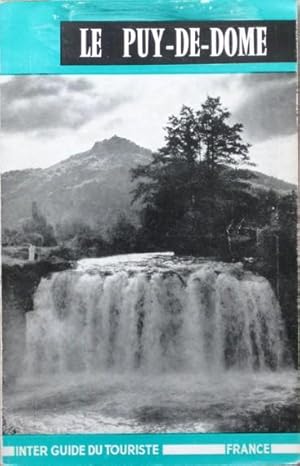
(197, 198)
(194, 193)
(36, 230)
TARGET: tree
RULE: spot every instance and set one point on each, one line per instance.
(194, 183)
(81, 240)
(122, 236)
(37, 230)
(73, 229)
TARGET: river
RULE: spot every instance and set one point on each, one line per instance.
(154, 343)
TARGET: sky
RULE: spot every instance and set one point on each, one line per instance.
(45, 119)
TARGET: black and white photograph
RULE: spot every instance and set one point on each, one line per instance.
(149, 260)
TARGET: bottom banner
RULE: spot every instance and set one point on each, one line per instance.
(151, 449)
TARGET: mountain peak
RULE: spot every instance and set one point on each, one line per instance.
(116, 144)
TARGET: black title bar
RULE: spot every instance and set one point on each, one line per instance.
(166, 43)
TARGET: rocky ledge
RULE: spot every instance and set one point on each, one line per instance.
(20, 279)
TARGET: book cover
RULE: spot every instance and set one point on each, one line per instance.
(149, 232)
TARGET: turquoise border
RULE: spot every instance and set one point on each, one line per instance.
(30, 31)
(152, 460)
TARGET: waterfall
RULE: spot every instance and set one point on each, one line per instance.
(154, 314)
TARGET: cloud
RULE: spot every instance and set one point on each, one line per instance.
(31, 104)
(268, 109)
(79, 85)
(113, 123)
(67, 114)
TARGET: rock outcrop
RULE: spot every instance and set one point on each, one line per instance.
(19, 282)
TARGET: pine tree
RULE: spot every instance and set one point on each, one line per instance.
(195, 177)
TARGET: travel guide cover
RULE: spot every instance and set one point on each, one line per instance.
(149, 232)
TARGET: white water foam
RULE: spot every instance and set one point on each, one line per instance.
(154, 313)
(152, 343)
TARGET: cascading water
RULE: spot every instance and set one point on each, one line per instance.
(153, 343)
(160, 315)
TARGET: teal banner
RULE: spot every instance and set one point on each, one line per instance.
(151, 449)
(30, 41)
